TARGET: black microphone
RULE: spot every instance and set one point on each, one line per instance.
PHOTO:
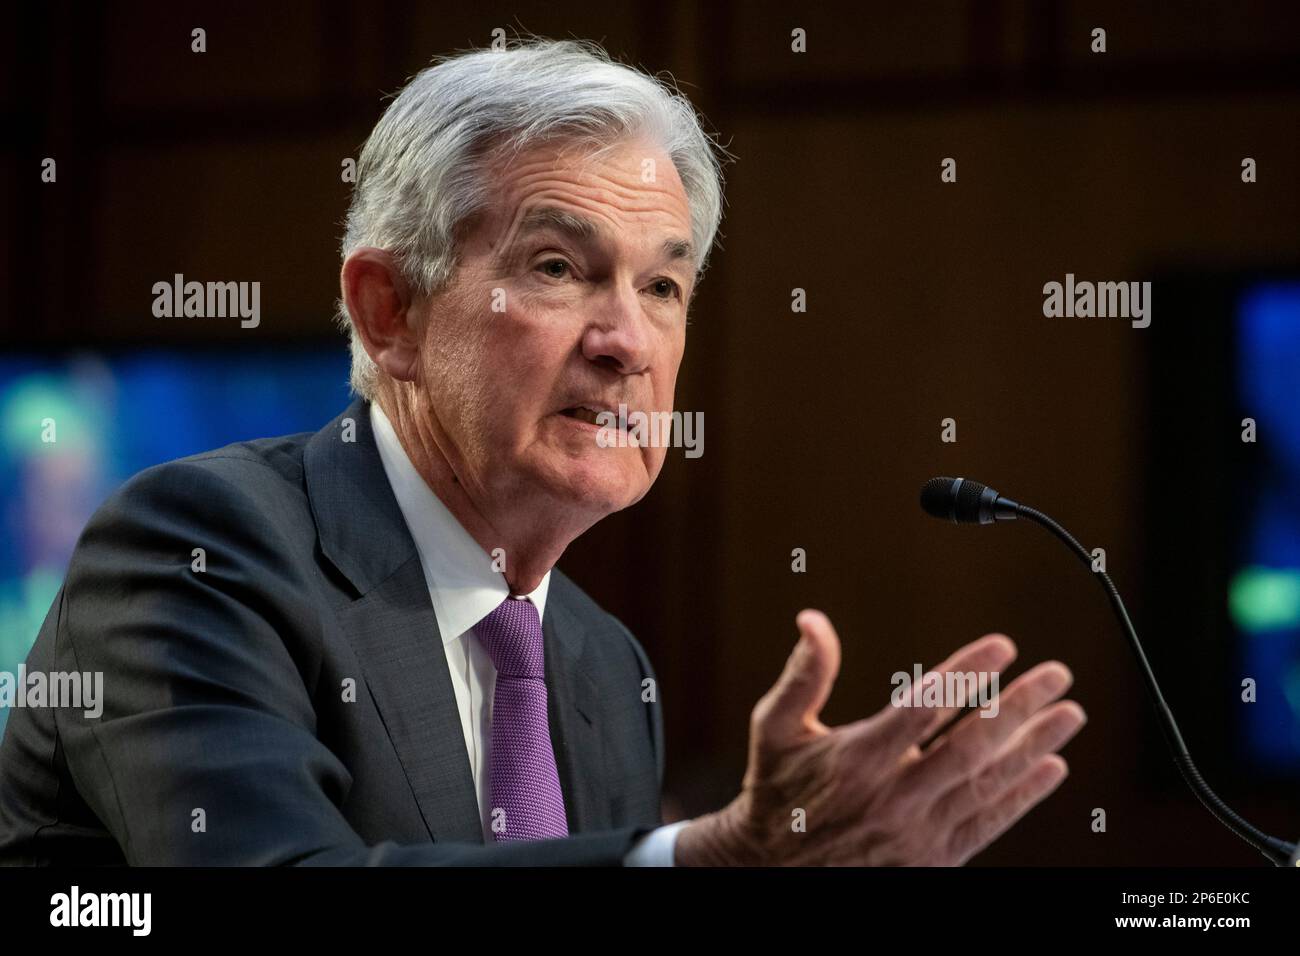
(963, 501)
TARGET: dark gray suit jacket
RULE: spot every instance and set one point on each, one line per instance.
(224, 689)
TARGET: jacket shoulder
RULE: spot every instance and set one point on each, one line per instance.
(281, 456)
(201, 483)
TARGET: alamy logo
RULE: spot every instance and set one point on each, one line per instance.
(953, 689)
(651, 430)
(55, 689)
(103, 909)
(210, 300)
(1124, 300)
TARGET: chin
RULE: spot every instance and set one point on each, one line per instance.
(599, 487)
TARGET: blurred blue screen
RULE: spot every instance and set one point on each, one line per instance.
(1264, 588)
(112, 414)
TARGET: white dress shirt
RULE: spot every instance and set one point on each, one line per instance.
(464, 589)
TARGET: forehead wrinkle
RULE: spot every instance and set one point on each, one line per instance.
(538, 218)
(629, 190)
(552, 217)
(622, 188)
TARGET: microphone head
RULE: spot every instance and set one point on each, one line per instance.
(961, 501)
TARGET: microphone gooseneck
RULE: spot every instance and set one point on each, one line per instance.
(968, 502)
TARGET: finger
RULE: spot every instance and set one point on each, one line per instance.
(969, 746)
(988, 665)
(1046, 732)
(888, 733)
(976, 832)
(789, 711)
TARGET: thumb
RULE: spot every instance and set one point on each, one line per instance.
(791, 707)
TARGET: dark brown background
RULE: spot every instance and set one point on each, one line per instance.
(924, 302)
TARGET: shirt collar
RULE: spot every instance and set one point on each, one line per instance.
(462, 584)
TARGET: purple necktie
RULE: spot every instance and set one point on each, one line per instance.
(521, 765)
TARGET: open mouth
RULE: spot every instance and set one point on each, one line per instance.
(583, 414)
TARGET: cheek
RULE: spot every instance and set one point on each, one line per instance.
(531, 349)
(509, 376)
(457, 377)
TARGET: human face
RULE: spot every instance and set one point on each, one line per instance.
(571, 290)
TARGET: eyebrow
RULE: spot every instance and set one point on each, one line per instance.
(583, 230)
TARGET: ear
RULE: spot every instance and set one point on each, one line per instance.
(379, 301)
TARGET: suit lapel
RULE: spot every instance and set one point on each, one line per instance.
(574, 714)
(394, 633)
(390, 622)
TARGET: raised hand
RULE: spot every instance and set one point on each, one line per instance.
(866, 793)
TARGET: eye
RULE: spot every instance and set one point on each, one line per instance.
(548, 267)
(666, 288)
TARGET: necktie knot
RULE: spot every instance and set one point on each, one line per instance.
(512, 637)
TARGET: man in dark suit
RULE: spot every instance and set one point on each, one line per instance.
(352, 647)
(291, 703)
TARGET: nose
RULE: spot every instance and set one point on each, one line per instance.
(619, 336)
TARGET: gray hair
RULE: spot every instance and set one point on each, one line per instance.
(421, 172)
